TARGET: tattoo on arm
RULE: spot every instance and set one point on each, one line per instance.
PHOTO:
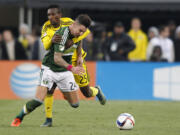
(79, 53)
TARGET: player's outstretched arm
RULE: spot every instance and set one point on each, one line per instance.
(46, 37)
(79, 55)
(61, 62)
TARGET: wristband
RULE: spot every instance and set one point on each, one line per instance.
(69, 67)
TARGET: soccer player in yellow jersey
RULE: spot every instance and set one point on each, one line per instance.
(47, 36)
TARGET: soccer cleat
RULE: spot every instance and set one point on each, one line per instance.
(100, 96)
(16, 122)
(47, 123)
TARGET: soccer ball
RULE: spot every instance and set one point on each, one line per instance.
(125, 121)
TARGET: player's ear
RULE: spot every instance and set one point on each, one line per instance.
(76, 23)
(60, 15)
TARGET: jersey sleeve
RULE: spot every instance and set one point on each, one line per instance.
(45, 37)
(60, 47)
(86, 33)
(65, 21)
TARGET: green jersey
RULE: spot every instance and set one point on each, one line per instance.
(62, 47)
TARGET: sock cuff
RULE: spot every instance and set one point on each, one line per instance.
(94, 91)
(25, 109)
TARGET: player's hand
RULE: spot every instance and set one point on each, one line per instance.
(56, 38)
(79, 61)
(77, 70)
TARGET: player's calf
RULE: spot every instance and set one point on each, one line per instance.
(30, 105)
(87, 92)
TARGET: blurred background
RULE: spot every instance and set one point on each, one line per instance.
(133, 42)
(23, 20)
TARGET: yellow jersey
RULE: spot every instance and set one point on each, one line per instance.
(141, 42)
(48, 32)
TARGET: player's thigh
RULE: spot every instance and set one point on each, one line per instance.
(41, 92)
(71, 97)
(82, 80)
(46, 82)
(68, 86)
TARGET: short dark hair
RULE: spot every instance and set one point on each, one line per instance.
(119, 24)
(171, 22)
(162, 28)
(55, 6)
(84, 19)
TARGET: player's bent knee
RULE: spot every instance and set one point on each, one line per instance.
(75, 105)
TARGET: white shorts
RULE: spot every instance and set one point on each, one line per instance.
(64, 80)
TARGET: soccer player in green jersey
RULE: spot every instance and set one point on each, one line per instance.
(57, 69)
(48, 36)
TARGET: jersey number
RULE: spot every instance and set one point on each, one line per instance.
(72, 85)
(83, 79)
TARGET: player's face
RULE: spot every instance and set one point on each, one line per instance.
(151, 34)
(7, 35)
(78, 30)
(136, 24)
(118, 30)
(54, 16)
(166, 32)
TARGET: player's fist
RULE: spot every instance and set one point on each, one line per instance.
(78, 70)
(56, 39)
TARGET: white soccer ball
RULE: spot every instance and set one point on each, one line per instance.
(125, 121)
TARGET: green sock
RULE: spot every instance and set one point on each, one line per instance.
(21, 115)
(32, 105)
(29, 107)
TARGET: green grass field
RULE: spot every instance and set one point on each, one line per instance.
(152, 118)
